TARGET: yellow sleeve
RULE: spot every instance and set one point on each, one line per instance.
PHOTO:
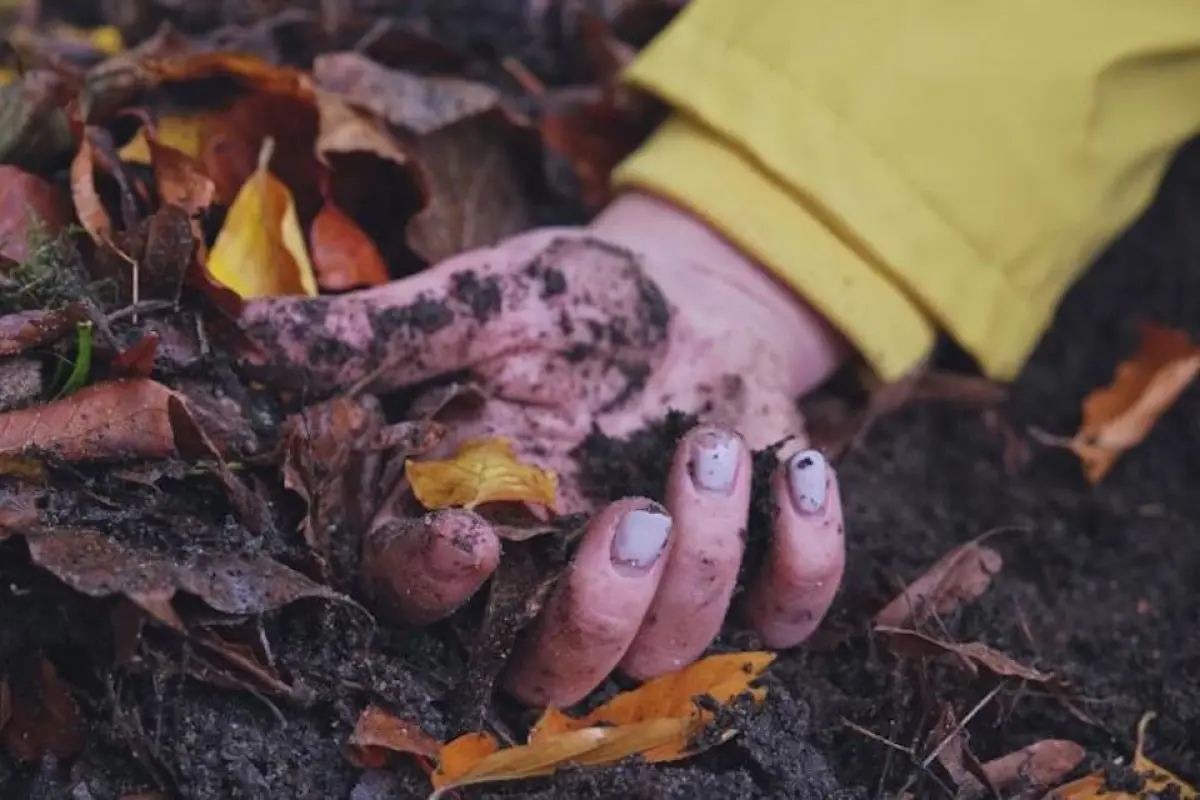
(908, 165)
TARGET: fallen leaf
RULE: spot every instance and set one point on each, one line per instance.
(970, 655)
(111, 420)
(137, 360)
(1120, 415)
(584, 747)
(416, 104)
(474, 197)
(333, 456)
(378, 733)
(481, 471)
(30, 207)
(94, 565)
(249, 673)
(184, 133)
(180, 179)
(24, 330)
(44, 718)
(659, 721)
(35, 135)
(1034, 767)
(89, 207)
(260, 251)
(1156, 781)
(958, 577)
(344, 129)
(342, 254)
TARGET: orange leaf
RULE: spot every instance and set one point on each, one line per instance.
(1156, 781)
(260, 251)
(658, 721)
(377, 732)
(1120, 415)
(722, 677)
(342, 255)
(250, 71)
(482, 471)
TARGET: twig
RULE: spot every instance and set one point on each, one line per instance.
(961, 725)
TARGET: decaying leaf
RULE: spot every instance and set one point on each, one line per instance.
(89, 207)
(260, 251)
(180, 179)
(95, 565)
(1156, 781)
(344, 129)
(111, 420)
(232, 665)
(1120, 415)
(416, 104)
(474, 197)
(28, 329)
(482, 471)
(343, 256)
(378, 733)
(1037, 766)
(44, 718)
(969, 655)
(29, 205)
(658, 721)
(958, 577)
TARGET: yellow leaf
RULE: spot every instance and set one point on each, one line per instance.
(1120, 415)
(1156, 781)
(482, 471)
(183, 133)
(260, 251)
(659, 721)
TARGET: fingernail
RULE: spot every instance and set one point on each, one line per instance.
(808, 481)
(640, 538)
(714, 460)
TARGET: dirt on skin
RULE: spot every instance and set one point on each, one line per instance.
(1099, 585)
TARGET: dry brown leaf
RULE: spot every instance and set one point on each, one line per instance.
(180, 179)
(97, 566)
(1120, 415)
(343, 256)
(970, 655)
(260, 251)
(28, 203)
(958, 577)
(182, 132)
(44, 718)
(378, 733)
(344, 129)
(1157, 782)
(658, 721)
(474, 197)
(111, 420)
(213, 657)
(1039, 765)
(481, 471)
(416, 104)
(27, 329)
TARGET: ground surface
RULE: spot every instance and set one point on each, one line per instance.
(1100, 584)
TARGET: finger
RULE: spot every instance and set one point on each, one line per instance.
(549, 291)
(597, 607)
(804, 568)
(422, 569)
(708, 495)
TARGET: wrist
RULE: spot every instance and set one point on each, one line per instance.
(698, 267)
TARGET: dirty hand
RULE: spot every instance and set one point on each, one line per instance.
(566, 330)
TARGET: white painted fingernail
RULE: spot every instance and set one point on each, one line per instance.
(714, 460)
(641, 538)
(808, 481)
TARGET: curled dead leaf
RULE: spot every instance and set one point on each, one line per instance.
(29, 205)
(343, 256)
(960, 576)
(1119, 416)
(481, 471)
(43, 716)
(28, 329)
(969, 655)
(379, 732)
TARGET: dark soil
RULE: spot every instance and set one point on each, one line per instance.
(1100, 584)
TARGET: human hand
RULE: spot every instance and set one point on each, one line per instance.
(565, 330)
